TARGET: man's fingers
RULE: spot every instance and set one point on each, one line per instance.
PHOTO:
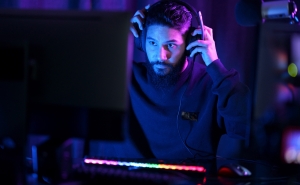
(210, 30)
(140, 13)
(196, 50)
(134, 31)
(209, 34)
(197, 43)
(138, 20)
(197, 32)
(207, 31)
(136, 23)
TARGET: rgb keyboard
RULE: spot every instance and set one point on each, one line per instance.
(175, 167)
(138, 171)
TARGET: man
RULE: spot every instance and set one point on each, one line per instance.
(179, 108)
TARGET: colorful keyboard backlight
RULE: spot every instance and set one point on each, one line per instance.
(146, 165)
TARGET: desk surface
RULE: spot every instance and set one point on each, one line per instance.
(262, 173)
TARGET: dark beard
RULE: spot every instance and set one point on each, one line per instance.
(164, 81)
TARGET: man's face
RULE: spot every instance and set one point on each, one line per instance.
(165, 48)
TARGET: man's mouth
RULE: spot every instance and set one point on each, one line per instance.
(161, 66)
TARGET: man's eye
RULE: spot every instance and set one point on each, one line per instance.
(172, 45)
(152, 43)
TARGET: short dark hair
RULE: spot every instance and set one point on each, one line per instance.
(171, 14)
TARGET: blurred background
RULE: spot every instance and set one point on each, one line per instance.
(237, 45)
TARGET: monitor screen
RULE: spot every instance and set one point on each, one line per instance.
(75, 67)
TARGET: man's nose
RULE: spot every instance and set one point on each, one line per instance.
(163, 53)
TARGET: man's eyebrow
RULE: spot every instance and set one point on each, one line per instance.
(150, 38)
(172, 40)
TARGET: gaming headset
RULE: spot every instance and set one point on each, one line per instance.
(140, 41)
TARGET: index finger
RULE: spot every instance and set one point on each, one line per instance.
(142, 11)
(208, 33)
(137, 19)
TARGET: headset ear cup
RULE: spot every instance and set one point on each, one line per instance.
(140, 41)
(189, 39)
(143, 40)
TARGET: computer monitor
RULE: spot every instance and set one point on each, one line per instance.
(74, 67)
